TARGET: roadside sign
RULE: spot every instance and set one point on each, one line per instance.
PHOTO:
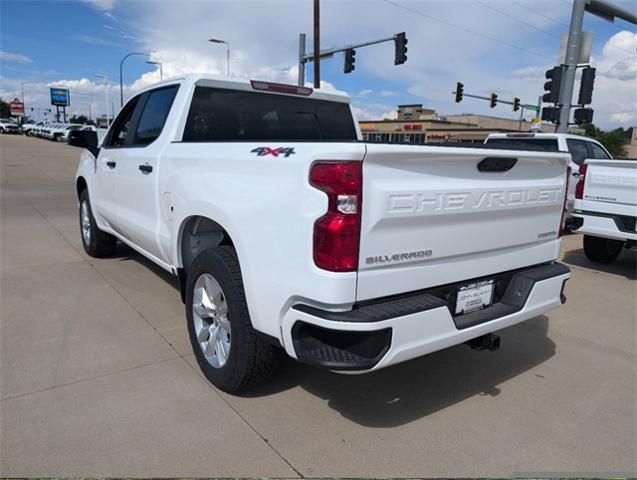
(586, 47)
(60, 97)
(16, 108)
(535, 108)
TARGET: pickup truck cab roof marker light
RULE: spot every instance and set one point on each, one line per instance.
(520, 135)
(280, 88)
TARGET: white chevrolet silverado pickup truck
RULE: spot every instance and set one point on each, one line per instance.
(606, 207)
(286, 230)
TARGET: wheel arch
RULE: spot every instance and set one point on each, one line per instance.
(197, 233)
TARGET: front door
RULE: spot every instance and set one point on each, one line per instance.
(140, 211)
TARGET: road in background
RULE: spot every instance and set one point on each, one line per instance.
(98, 378)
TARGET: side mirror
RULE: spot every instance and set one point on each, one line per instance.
(84, 139)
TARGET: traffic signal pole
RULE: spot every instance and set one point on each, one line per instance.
(570, 61)
(306, 58)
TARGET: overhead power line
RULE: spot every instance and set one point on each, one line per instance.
(517, 19)
(540, 13)
(458, 27)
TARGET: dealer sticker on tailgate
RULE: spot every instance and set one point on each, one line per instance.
(474, 296)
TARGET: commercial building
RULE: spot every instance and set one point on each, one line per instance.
(415, 124)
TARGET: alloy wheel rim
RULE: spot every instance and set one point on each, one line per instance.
(85, 220)
(210, 316)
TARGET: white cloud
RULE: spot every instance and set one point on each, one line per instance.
(103, 5)
(14, 57)
(388, 93)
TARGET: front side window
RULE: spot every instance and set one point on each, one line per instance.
(578, 150)
(154, 115)
(598, 152)
(120, 129)
(236, 115)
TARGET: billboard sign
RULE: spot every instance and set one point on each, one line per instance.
(60, 97)
(17, 108)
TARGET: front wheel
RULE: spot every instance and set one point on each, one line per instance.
(96, 243)
(602, 250)
(229, 352)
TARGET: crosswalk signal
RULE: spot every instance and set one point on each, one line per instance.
(552, 87)
(551, 114)
(400, 44)
(350, 59)
(494, 100)
(516, 104)
(585, 96)
(583, 115)
(459, 91)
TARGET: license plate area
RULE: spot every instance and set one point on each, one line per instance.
(474, 296)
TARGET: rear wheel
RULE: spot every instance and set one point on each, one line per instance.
(96, 243)
(602, 250)
(227, 348)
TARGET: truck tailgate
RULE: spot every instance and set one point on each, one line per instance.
(437, 215)
(610, 187)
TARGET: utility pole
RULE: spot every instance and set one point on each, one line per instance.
(570, 60)
(317, 45)
(301, 59)
(602, 9)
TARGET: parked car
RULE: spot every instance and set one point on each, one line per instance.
(9, 126)
(578, 146)
(62, 134)
(285, 230)
(606, 207)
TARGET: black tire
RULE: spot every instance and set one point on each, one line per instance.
(602, 250)
(251, 360)
(98, 243)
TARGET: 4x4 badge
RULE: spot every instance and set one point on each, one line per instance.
(275, 152)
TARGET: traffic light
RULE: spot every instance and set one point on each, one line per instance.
(583, 115)
(350, 58)
(516, 104)
(552, 87)
(459, 91)
(551, 114)
(585, 96)
(400, 44)
(494, 100)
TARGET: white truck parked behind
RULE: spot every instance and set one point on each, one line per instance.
(286, 230)
(578, 146)
(606, 207)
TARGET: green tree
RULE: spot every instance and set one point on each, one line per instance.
(83, 119)
(614, 140)
(5, 111)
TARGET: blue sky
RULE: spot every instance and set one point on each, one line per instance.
(490, 45)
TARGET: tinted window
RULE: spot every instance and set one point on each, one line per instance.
(153, 118)
(578, 150)
(536, 145)
(232, 115)
(119, 129)
(598, 152)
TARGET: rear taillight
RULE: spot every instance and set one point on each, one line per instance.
(579, 188)
(565, 204)
(337, 233)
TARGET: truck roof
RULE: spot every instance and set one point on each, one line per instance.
(540, 135)
(240, 83)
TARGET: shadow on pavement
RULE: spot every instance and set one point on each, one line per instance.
(406, 392)
(412, 390)
(625, 265)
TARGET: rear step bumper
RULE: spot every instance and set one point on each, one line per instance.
(377, 334)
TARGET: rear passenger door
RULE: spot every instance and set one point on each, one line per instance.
(139, 201)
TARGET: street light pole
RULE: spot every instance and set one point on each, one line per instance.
(108, 123)
(23, 104)
(121, 81)
(161, 70)
(217, 40)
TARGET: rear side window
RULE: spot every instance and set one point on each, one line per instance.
(598, 152)
(578, 150)
(233, 115)
(153, 117)
(536, 145)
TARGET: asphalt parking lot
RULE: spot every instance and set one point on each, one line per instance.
(98, 379)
